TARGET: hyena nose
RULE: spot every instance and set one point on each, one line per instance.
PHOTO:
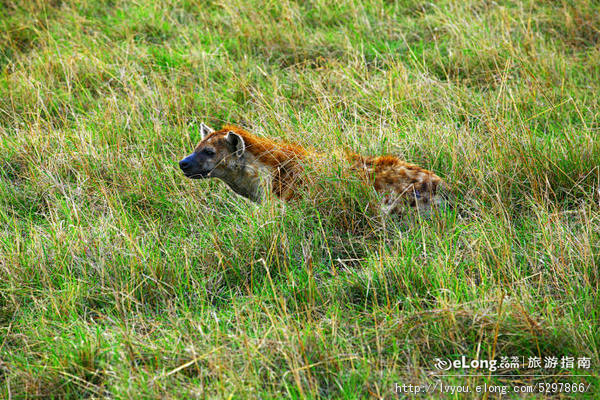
(184, 164)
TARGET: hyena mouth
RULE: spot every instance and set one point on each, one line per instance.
(196, 174)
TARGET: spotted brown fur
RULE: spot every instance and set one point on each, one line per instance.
(255, 166)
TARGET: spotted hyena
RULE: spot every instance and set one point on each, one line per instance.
(255, 167)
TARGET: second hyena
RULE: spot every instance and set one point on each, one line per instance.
(255, 167)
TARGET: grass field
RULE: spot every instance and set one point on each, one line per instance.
(120, 278)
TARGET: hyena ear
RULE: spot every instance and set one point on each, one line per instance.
(237, 142)
(205, 130)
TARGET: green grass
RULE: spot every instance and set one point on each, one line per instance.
(120, 278)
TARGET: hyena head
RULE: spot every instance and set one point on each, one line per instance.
(218, 155)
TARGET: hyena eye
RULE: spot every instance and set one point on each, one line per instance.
(209, 152)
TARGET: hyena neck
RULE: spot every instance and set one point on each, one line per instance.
(249, 178)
